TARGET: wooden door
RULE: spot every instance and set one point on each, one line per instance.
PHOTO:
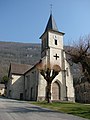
(55, 91)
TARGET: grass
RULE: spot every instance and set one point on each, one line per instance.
(77, 109)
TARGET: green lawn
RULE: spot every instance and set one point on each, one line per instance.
(82, 110)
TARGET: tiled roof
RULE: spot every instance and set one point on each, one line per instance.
(19, 68)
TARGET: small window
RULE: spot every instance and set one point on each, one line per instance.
(55, 42)
(21, 96)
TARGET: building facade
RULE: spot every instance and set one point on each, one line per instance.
(52, 51)
(15, 86)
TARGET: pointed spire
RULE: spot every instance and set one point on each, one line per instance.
(51, 25)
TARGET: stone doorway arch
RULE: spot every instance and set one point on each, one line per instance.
(55, 91)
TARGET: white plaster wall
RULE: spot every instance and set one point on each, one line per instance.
(53, 60)
(59, 38)
(69, 83)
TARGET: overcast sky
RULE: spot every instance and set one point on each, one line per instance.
(25, 20)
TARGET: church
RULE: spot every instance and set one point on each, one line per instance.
(30, 84)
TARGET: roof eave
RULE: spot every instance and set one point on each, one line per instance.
(17, 73)
(52, 31)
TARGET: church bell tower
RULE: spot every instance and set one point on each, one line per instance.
(52, 43)
(52, 52)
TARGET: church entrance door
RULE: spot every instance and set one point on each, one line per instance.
(55, 91)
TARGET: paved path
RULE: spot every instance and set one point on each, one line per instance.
(20, 110)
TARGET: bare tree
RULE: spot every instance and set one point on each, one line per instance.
(49, 72)
(81, 54)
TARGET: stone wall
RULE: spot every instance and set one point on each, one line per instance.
(16, 87)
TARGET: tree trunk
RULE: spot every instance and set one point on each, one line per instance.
(48, 92)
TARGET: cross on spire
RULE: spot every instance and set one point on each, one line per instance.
(56, 56)
(50, 8)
